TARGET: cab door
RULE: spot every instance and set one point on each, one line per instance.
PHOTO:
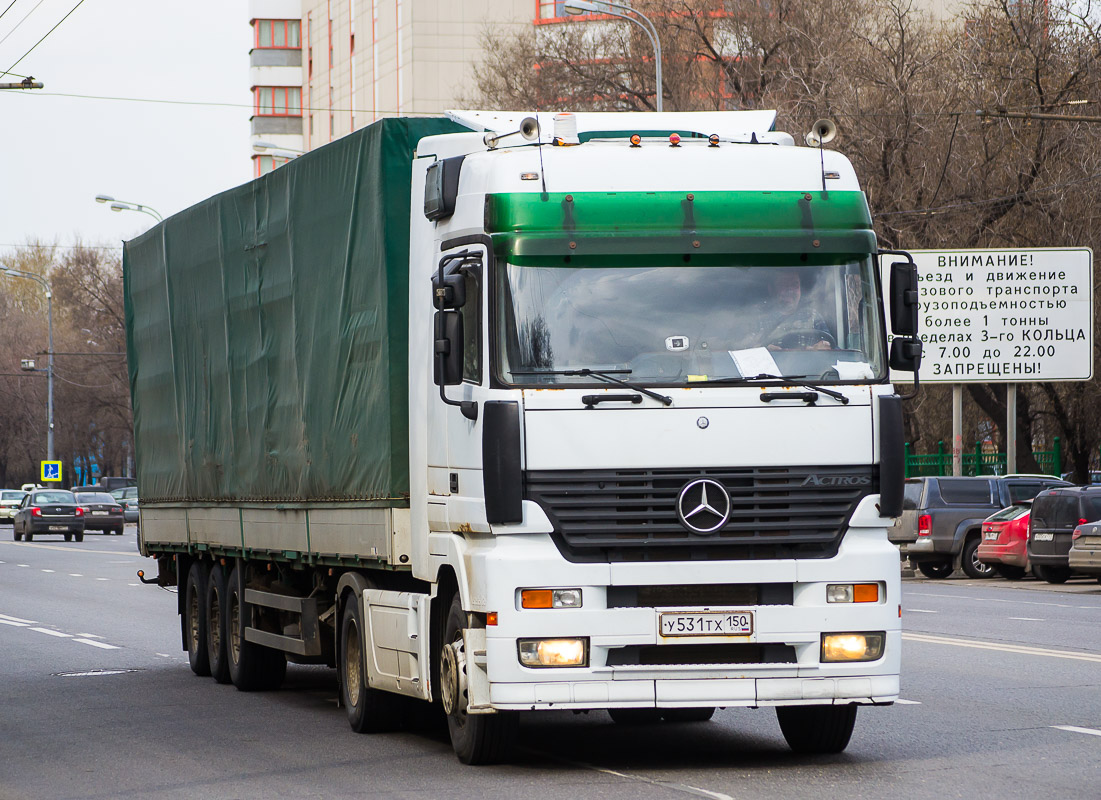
(456, 495)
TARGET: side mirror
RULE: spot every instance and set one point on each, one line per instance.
(904, 299)
(452, 294)
(447, 367)
(905, 354)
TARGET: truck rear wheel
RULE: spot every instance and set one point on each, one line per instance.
(369, 710)
(476, 738)
(252, 668)
(195, 620)
(216, 631)
(817, 729)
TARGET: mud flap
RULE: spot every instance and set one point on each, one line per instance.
(477, 679)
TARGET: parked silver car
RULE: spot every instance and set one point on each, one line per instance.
(127, 497)
(9, 503)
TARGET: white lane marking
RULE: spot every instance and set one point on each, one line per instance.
(1027, 619)
(1000, 600)
(14, 623)
(22, 565)
(919, 611)
(75, 575)
(133, 584)
(675, 787)
(902, 702)
(49, 632)
(102, 645)
(103, 579)
(1076, 729)
(163, 655)
(49, 570)
(17, 619)
(1005, 648)
(89, 635)
(83, 551)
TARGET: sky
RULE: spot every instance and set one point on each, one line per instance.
(58, 152)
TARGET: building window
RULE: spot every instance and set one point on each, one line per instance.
(262, 165)
(555, 11)
(278, 32)
(277, 101)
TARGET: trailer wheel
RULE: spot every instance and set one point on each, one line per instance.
(817, 729)
(369, 710)
(195, 619)
(476, 738)
(216, 630)
(252, 668)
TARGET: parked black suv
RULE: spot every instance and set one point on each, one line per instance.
(941, 522)
(1055, 515)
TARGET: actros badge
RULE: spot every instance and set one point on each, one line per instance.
(703, 506)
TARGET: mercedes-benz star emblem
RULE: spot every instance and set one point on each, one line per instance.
(703, 506)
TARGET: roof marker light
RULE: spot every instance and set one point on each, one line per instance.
(636, 140)
(674, 140)
(713, 140)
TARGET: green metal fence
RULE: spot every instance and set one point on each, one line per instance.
(977, 462)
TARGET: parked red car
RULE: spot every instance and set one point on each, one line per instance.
(1004, 541)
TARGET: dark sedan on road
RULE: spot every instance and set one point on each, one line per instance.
(49, 511)
(101, 512)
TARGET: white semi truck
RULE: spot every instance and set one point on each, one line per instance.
(510, 413)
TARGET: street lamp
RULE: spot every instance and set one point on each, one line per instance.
(16, 273)
(125, 205)
(261, 146)
(605, 7)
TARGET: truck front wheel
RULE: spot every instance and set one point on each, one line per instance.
(195, 620)
(817, 729)
(476, 738)
(369, 710)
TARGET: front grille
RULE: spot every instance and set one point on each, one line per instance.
(731, 595)
(702, 654)
(631, 515)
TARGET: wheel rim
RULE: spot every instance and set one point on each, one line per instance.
(453, 680)
(979, 566)
(353, 674)
(214, 629)
(193, 623)
(233, 622)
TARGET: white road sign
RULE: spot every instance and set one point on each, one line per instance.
(1003, 316)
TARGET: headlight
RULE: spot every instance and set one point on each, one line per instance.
(852, 646)
(554, 652)
(852, 593)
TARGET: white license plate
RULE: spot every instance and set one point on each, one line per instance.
(708, 623)
(99, 513)
(59, 527)
(990, 535)
(1043, 537)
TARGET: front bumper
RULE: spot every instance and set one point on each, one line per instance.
(516, 562)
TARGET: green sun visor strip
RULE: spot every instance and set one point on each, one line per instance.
(596, 224)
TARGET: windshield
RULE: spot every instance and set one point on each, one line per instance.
(12, 495)
(680, 324)
(54, 497)
(94, 497)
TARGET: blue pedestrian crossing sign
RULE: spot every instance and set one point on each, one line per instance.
(51, 471)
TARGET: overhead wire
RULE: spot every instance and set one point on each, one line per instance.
(16, 27)
(6, 10)
(44, 37)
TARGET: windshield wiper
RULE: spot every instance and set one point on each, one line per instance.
(601, 375)
(791, 379)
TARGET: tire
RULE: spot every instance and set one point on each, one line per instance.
(369, 710)
(194, 621)
(214, 608)
(935, 569)
(635, 716)
(68, 537)
(972, 567)
(476, 738)
(1009, 572)
(28, 536)
(252, 668)
(687, 714)
(817, 729)
(1051, 574)
(16, 534)
(78, 537)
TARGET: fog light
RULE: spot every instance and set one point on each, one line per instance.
(550, 598)
(554, 652)
(852, 646)
(852, 593)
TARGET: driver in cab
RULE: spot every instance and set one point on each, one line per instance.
(788, 321)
